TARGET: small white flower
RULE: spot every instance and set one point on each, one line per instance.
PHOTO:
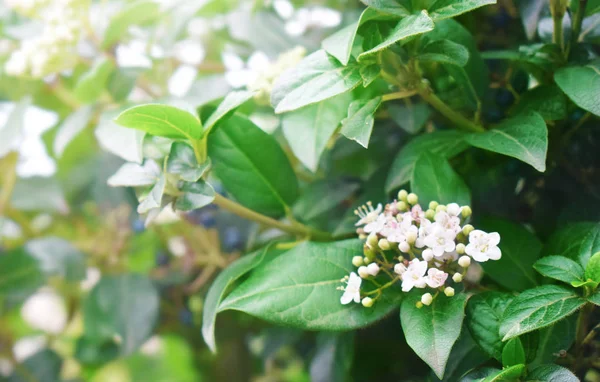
(92, 276)
(367, 213)
(377, 225)
(425, 229)
(373, 269)
(399, 232)
(440, 241)
(352, 290)
(399, 269)
(483, 246)
(414, 275)
(448, 221)
(240, 74)
(27, 346)
(45, 310)
(436, 278)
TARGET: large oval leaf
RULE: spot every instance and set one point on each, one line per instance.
(298, 289)
(577, 241)
(252, 166)
(582, 85)
(161, 120)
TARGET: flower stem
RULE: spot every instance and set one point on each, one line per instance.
(460, 121)
(580, 336)
(557, 34)
(398, 95)
(295, 229)
(8, 182)
(577, 23)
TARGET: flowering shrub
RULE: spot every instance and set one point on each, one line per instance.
(195, 190)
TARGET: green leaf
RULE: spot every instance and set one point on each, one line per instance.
(585, 284)
(551, 373)
(434, 179)
(333, 358)
(577, 241)
(595, 298)
(444, 9)
(219, 287)
(182, 161)
(320, 198)
(559, 268)
(369, 73)
(126, 305)
(298, 289)
(58, 257)
(154, 198)
(393, 7)
(431, 331)
(339, 44)
(70, 127)
(513, 353)
(465, 356)
(195, 195)
(410, 117)
(136, 13)
(409, 26)
(547, 100)
(445, 143)
(359, 123)
(581, 84)
(316, 78)
(537, 308)
(162, 120)
(592, 269)
(444, 51)
(553, 339)
(231, 102)
(134, 175)
(484, 313)
(43, 366)
(244, 159)
(13, 126)
(520, 249)
(509, 374)
(309, 129)
(20, 273)
(524, 137)
(92, 83)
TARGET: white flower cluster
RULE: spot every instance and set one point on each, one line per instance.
(419, 248)
(55, 48)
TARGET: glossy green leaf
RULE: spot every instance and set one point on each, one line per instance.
(92, 83)
(316, 78)
(71, 126)
(559, 268)
(410, 117)
(595, 298)
(369, 73)
(520, 249)
(359, 123)
(321, 197)
(11, 130)
(298, 289)
(523, 137)
(309, 129)
(592, 269)
(195, 195)
(125, 305)
(161, 120)
(547, 100)
(551, 373)
(401, 8)
(537, 308)
(231, 102)
(444, 51)
(445, 143)
(465, 356)
(333, 358)
(154, 198)
(434, 179)
(58, 257)
(581, 84)
(20, 273)
(553, 339)
(585, 284)
(513, 353)
(135, 13)
(339, 44)
(577, 241)
(219, 288)
(244, 159)
(443, 9)
(509, 374)
(409, 26)
(484, 313)
(134, 175)
(182, 161)
(431, 331)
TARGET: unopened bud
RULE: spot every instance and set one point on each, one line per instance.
(357, 261)
(453, 209)
(373, 269)
(427, 254)
(427, 299)
(464, 261)
(366, 260)
(433, 205)
(384, 244)
(440, 208)
(411, 237)
(467, 229)
(402, 206)
(460, 248)
(402, 194)
(457, 278)
(430, 214)
(466, 212)
(367, 302)
(369, 254)
(362, 236)
(449, 291)
(363, 272)
(419, 304)
(400, 258)
(404, 247)
(412, 198)
(372, 240)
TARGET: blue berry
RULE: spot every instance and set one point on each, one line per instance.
(204, 217)
(186, 317)
(501, 19)
(504, 98)
(162, 259)
(494, 115)
(576, 115)
(232, 239)
(138, 226)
